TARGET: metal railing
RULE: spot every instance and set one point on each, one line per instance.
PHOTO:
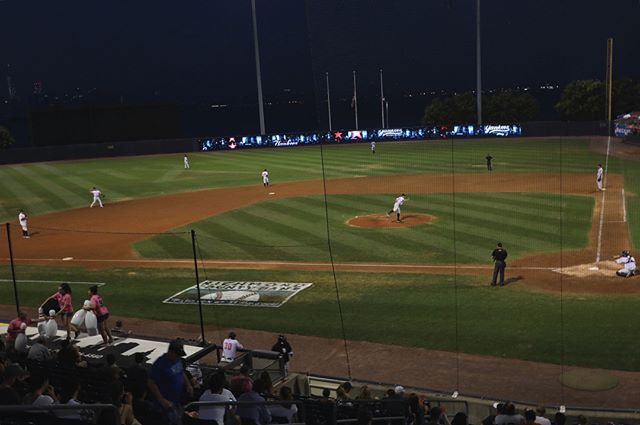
(29, 411)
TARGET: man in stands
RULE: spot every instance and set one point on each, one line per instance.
(13, 375)
(14, 329)
(241, 383)
(540, 418)
(509, 416)
(167, 381)
(256, 414)
(39, 351)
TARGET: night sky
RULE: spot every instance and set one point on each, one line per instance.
(199, 50)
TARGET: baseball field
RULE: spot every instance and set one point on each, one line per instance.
(420, 283)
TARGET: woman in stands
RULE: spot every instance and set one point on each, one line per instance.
(102, 313)
(64, 299)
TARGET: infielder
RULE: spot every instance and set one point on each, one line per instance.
(373, 147)
(186, 162)
(396, 206)
(22, 218)
(599, 176)
(265, 178)
(96, 197)
(628, 264)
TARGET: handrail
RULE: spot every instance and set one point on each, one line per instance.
(27, 408)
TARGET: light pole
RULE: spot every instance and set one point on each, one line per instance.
(478, 66)
(328, 100)
(381, 99)
(256, 49)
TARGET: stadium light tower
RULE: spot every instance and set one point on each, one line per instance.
(256, 49)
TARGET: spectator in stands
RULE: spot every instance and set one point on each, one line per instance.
(396, 405)
(40, 392)
(416, 409)
(145, 411)
(14, 329)
(489, 420)
(509, 416)
(326, 394)
(167, 381)
(69, 356)
(39, 351)
(254, 414)
(560, 419)
(241, 383)
(215, 393)
(268, 385)
(111, 370)
(69, 395)
(460, 418)
(229, 347)
(284, 413)
(540, 418)
(365, 417)
(437, 416)
(12, 376)
(530, 417)
(137, 374)
(582, 420)
(123, 402)
(283, 347)
(343, 390)
(364, 394)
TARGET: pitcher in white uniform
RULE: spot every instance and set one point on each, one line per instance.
(396, 206)
(96, 197)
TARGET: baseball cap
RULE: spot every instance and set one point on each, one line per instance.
(177, 346)
(398, 389)
(15, 371)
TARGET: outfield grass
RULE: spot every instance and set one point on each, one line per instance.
(294, 229)
(402, 309)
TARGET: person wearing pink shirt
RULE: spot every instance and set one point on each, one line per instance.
(64, 298)
(102, 313)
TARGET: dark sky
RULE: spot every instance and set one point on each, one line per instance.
(194, 50)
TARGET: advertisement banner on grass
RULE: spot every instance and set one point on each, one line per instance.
(236, 293)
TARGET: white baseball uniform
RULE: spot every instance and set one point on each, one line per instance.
(373, 147)
(96, 197)
(599, 177)
(628, 265)
(229, 348)
(397, 204)
(186, 162)
(265, 178)
(22, 218)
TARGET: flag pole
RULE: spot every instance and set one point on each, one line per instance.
(328, 100)
(354, 101)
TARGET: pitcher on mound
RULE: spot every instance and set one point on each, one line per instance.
(396, 207)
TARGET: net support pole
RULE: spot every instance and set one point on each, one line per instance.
(256, 51)
(478, 66)
(328, 101)
(13, 270)
(195, 266)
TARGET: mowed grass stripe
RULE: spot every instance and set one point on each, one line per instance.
(68, 197)
(23, 196)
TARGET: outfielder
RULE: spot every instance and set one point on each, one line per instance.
(599, 176)
(22, 218)
(373, 147)
(396, 206)
(628, 264)
(265, 178)
(96, 197)
(186, 162)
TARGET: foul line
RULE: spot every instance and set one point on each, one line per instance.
(604, 184)
(55, 281)
(251, 264)
(624, 207)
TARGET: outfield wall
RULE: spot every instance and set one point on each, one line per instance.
(150, 147)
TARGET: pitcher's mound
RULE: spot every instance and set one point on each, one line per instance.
(381, 220)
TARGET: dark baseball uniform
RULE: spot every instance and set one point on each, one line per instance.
(499, 256)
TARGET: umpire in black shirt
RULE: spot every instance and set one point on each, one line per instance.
(499, 256)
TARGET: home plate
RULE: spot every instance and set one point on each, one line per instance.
(272, 193)
(67, 259)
